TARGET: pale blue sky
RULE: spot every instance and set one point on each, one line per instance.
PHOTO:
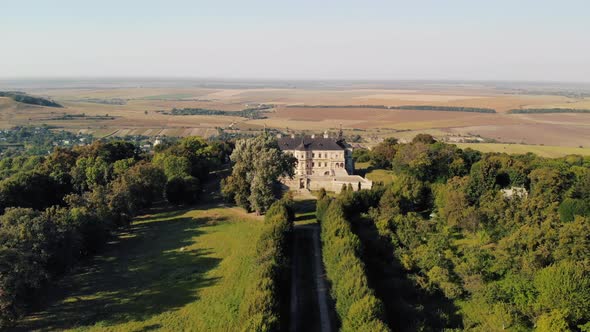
(424, 39)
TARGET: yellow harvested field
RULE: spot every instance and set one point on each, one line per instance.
(544, 151)
(417, 97)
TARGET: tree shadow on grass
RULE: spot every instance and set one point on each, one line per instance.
(304, 206)
(305, 209)
(148, 271)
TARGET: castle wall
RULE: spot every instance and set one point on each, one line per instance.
(330, 183)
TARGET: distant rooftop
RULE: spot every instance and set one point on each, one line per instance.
(310, 143)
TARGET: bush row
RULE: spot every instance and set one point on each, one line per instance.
(262, 308)
(356, 305)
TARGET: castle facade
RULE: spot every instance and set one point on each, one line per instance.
(322, 162)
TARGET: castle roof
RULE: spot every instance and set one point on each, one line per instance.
(303, 143)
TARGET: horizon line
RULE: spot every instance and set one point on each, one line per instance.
(284, 79)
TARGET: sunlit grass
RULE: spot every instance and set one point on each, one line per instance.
(175, 271)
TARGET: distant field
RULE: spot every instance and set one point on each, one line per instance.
(138, 116)
(544, 151)
(174, 271)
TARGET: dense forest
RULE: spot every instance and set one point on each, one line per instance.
(408, 107)
(482, 242)
(548, 110)
(24, 98)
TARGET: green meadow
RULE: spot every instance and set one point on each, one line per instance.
(181, 270)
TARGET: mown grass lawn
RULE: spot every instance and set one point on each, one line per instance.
(174, 271)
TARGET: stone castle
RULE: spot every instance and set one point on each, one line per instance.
(322, 162)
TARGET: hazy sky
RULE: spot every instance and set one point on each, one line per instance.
(424, 39)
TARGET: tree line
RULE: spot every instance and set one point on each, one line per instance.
(249, 113)
(24, 98)
(65, 206)
(408, 107)
(547, 110)
(501, 240)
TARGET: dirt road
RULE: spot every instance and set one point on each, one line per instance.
(312, 308)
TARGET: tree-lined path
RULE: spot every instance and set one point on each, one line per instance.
(311, 306)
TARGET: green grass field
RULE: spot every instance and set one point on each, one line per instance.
(375, 175)
(173, 271)
(540, 150)
(381, 175)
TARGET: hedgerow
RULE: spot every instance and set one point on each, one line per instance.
(356, 305)
(261, 310)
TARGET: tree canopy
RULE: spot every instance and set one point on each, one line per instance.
(258, 164)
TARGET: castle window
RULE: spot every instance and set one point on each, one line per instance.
(313, 155)
(312, 164)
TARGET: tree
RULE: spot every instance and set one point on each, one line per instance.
(30, 189)
(424, 138)
(23, 259)
(482, 178)
(414, 159)
(183, 190)
(258, 163)
(554, 321)
(549, 183)
(572, 207)
(361, 155)
(173, 166)
(90, 172)
(565, 286)
(382, 154)
(136, 189)
(573, 240)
